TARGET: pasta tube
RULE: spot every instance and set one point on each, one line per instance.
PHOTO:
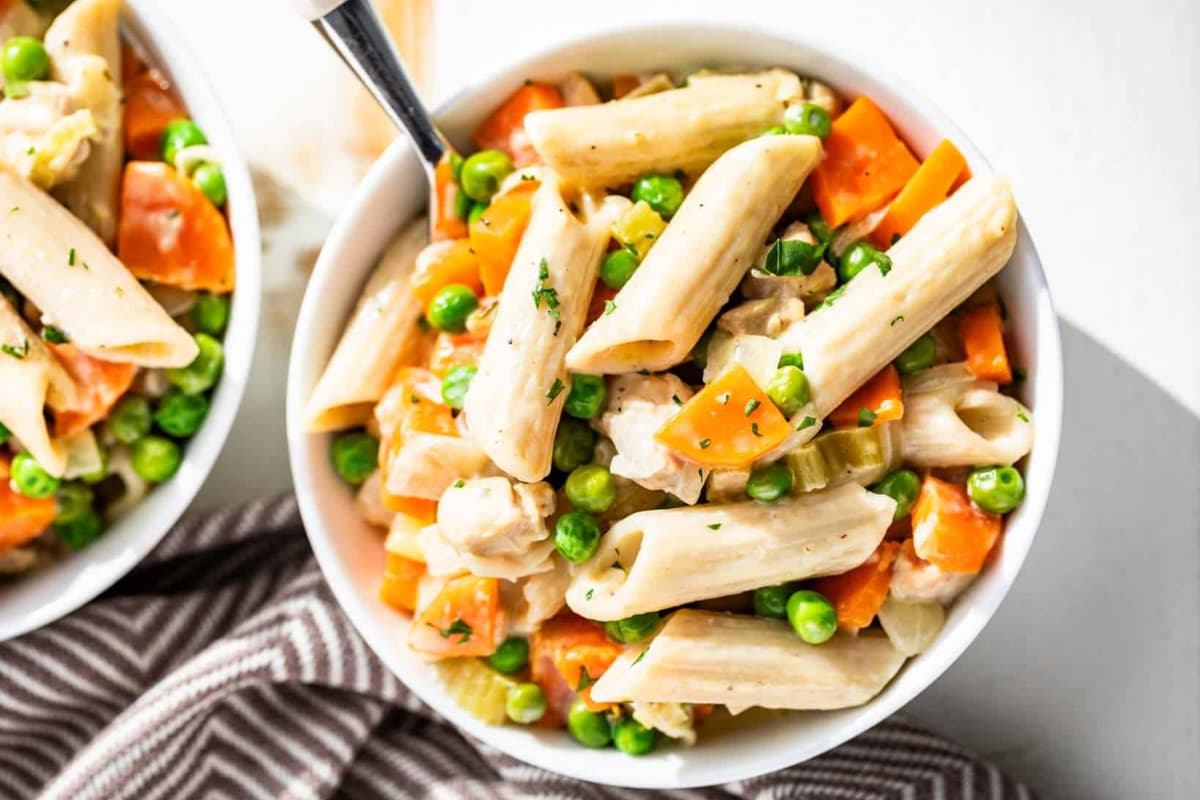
(739, 660)
(947, 255)
(613, 143)
(953, 419)
(699, 260)
(30, 379)
(85, 53)
(382, 329)
(658, 559)
(516, 398)
(64, 268)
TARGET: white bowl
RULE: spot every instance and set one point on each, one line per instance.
(49, 593)
(351, 554)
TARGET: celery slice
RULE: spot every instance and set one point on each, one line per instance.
(477, 688)
(859, 455)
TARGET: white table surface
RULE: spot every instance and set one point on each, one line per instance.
(1087, 682)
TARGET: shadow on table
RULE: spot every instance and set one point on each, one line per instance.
(1097, 647)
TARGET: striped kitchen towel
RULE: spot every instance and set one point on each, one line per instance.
(223, 668)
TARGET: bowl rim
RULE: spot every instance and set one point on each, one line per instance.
(87, 573)
(1049, 409)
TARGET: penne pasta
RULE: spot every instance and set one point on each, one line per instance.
(688, 129)
(63, 267)
(951, 252)
(516, 397)
(712, 241)
(953, 419)
(30, 379)
(381, 331)
(709, 657)
(659, 559)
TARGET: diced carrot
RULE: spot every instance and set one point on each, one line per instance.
(170, 232)
(624, 84)
(876, 401)
(949, 531)
(416, 507)
(100, 383)
(443, 263)
(929, 186)
(464, 619)
(21, 518)
(599, 302)
(579, 651)
(496, 235)
(858, 594)
(505, 128)
(447, 225)
(728, 423)
(452, 350)
(400, 579)
(149, 107)
(865, 164)
(982, 333)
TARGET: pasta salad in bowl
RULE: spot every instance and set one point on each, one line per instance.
(700, 407)
(117, 287)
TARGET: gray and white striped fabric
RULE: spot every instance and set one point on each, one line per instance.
(223, 668)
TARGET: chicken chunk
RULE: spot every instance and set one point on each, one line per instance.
(534, 599)
(638, 406)
(673, 719)
(769, 316)
(498, 527)
(916, 580)
(429, 463)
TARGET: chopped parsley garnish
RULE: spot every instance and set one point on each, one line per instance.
(704, 443)
(617, 565)
(71, 257)
(885, 264)
(675, 399)
(53, 335)
(543, 293)
(556, 389)
(754, 429)
(609, 307)
(723, 398)
(460, 483)
(585, 680)
(1021, 415)
(457, 628)
(866, 417)
(751, 405)
(892, 324)
(18, 353)
(589, 594)
(641, 655)
(716, 526)
(832, 296)
(807, 422)
(793, 257)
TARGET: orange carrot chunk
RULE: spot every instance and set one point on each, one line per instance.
(728, 423)
(929, 187)
(857, 595)
(400, 578)
(505, 128)
(579, 651)
(876, 401)
(949, 531)
(496, 235)
(865, 164)
(21, 518)
(170, 232)
(101, 384)
(982, 332)
(447, 224)
(464, 619)
(412, 405)
(149, 107)
(452, 350)
(444, 264)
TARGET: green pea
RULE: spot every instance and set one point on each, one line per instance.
(130, 419)
(574, 444)
(30, 479)
(355, 456)
(768, 484)
(819, 227)
(791, 360)
(771, 601)
(617, 268)
(450, 307)
(663, 193)
(54, 335)
(917, 356)
(591, 488)
(156, 459)
(181, 415)
(72, 501)
(24, 59)
(807, 118)
(210, 179)
(78, 533)
(464, 205)
(589, 728)
(178, 135)
(858, 258)
(774, 130)
(632, 629)
(788, 389)
(511, 656)
(576, 536)
(812, 616)
(525, 703)
(204, 371)
(5, 434)
(996, 489)
(456, 383)
(482, 173)
(633, 738)
(903, 486)
(587, 396)
(210, 314)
